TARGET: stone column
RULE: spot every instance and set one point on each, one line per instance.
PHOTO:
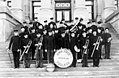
(16, 9)
(46, 11)
(26, 10)
(109, 8)
(80, 10)
(99, 5)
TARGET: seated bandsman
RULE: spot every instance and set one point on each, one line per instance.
(107, 43)
(15, 44)
(38, 42)
(25, 43)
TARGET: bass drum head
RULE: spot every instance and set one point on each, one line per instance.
(63, 58)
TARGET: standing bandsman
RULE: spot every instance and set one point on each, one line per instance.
(95, 53)
(24, 44)
(100, 35)
(73, 44)
(22, 33)
(26, 27)
(15, 44)
(63, 40)
(107, 43)
(32, 36)
(50, 46)
(84, 42)
(38, 42)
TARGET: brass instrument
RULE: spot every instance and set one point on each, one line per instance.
(96, 46)
(86, 48)
(75, 27)
(39, 46)
(26, 49)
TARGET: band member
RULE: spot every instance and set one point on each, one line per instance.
(100, 35)
(90, 37)
(25, 26)
(73, 43)
(15, 44)
(50, 46)
(52, 24)
(39, 50)
(32, 37)
(95, 54)
(84, 42)
(24, 45)
(107, 43)
(64, 41)
(56, 36)
(22, 32)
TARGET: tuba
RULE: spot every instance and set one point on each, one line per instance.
(26, 49)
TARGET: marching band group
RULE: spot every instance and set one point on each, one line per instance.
(37, 42)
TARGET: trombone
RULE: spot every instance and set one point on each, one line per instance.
(96, 47)
(26, 49)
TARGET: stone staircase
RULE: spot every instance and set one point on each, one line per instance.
(109, 68)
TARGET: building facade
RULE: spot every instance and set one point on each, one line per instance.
(62, 9)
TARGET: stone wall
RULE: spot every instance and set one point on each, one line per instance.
(7, 23)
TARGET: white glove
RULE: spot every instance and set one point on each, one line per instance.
(76, 49)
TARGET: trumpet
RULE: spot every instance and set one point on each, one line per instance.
(26, 49)
(96, 47)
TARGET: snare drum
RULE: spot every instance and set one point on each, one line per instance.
(63, 58)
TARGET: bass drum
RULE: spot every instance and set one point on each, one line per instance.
(63, 58)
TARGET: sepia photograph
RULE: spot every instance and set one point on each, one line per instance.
(59, 38)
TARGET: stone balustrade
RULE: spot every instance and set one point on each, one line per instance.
(113, 19)
(7, 23)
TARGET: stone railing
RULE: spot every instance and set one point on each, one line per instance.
(7, 23)
(113, 19)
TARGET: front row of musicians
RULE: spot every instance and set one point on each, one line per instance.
(86, 45)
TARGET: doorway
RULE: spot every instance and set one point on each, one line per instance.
(63, 14)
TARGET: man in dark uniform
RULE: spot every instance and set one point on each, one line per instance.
(15, 43)
(25, 26)
(22, 32)
(64, 41)
(52, 25)
(107, 43)
(50, 46)
(84, 43)
(90, 37)
(32, 36)
(95, 54)
(100, 35)
(27, 55)
(73, 43)
(38, 42)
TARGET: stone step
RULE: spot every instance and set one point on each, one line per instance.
(61, 74)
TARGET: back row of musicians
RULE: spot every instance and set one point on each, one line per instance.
(37, 42)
